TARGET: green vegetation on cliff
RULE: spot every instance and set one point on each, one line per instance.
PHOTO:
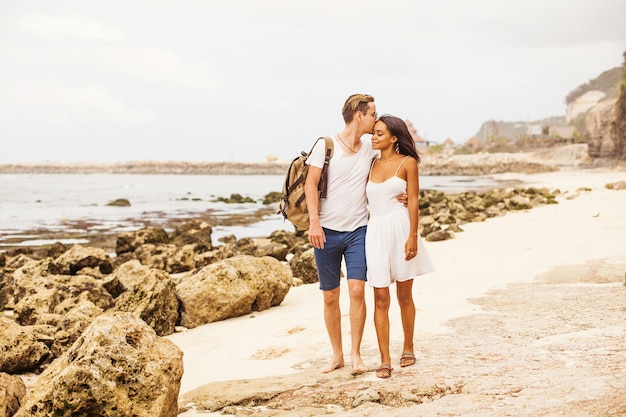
(608, 82)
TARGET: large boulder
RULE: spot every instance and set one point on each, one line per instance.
(7, 288)
(217, 254)
(599, 121)
(15, 261)
(128, 242)
(72, 324)
(304, 267)
(231, 288)
(38, 294)
(79, 257)
(118, 367)
(293, 240)
(20, 348)
(149, 294)
(519, 202)
(194, 232)
(168, 257)
(267, 247)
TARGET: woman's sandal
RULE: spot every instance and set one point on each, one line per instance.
(384, 371)
(407, 359)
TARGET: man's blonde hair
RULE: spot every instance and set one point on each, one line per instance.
(355, 103)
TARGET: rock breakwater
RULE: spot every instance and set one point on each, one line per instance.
(437, 164)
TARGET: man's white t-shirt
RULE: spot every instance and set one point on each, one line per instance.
(345, 207)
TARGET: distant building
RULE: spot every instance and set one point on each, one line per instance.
(449, 143)
(473, 141)
(419, 141)
(534, 130)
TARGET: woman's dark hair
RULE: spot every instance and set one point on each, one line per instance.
(398, 128)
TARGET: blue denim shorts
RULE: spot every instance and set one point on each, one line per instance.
(347, 245)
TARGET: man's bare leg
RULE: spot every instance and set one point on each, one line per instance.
(332, 318)
(356, 288)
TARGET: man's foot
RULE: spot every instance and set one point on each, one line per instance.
(358, 366)
(407, 359)
(332, 365)
(384, 371)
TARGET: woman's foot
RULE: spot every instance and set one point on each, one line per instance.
(384, 371)
(407, 359)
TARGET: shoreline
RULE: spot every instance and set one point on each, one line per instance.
(93, 227)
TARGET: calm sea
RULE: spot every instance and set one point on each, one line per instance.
(51, 201)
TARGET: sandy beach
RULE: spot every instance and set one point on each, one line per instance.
(578, 243)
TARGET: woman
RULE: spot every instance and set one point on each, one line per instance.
(395, 252)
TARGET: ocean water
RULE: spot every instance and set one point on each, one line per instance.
(52, 201)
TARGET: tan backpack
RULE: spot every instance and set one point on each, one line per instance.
(293, 202)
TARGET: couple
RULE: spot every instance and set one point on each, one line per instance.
(386, 192)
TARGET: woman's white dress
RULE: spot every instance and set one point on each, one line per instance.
(387, 231)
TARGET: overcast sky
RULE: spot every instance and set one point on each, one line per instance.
(235, 80)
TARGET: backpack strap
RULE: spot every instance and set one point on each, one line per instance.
(301, 178)
(323, 184)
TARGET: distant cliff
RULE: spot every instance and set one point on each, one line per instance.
(579, 101)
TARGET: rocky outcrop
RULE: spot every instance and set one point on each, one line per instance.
(42, 297)
(618, 128)
(262, 247)
(619, 185)
(482, 164)
(21, 349)
(118, 366)
(304, 267)
(443, 214)
(72, 325)
(194, 232)
(128, 242)
(232, 288)
(599, 121)
(79, 257)
(93, 325)
(53, 301)
(168, 257)
(150, 294)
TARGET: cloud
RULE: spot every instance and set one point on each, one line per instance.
(66, 105)
(73, 26)
(261, 77)
(161, 67)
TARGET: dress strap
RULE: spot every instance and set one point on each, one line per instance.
(399, 166)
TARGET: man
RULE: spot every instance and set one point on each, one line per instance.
(338, 224)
